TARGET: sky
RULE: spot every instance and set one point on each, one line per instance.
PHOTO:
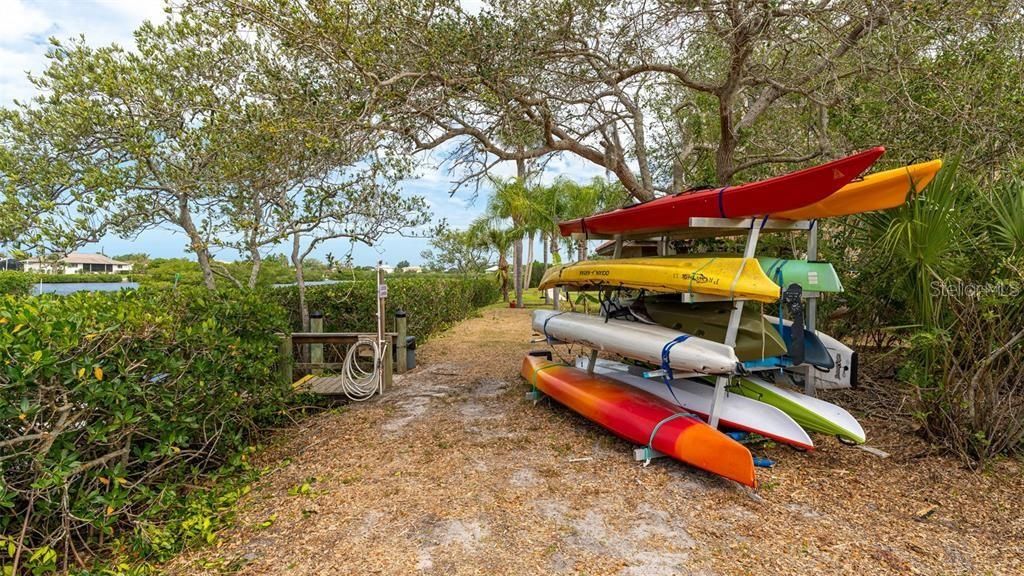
(26, 26)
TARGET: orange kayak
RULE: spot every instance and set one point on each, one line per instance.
(636, 416)
(877, 191)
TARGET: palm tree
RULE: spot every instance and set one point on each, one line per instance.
(566, 200)
(918, 242)
(488, 232)
(511, 200)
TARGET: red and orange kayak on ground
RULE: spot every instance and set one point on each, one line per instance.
(774, 195)
(633, 415)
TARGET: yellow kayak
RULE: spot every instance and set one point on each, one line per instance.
(877, 191)
(728, 277)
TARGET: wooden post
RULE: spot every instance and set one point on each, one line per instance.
(284, 353)
(316, 351)
(400, 347)
(618, 247)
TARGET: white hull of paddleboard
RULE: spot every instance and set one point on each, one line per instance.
(736, 411)
(638, 341)
(843, 375)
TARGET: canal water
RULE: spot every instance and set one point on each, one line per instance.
(72, 287)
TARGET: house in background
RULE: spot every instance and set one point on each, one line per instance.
(630, 248)
(10, 264)
(78, 263)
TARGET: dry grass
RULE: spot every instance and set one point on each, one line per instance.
(454, 471)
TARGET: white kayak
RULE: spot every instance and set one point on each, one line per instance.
(643, 342)
(844, 373)
(736, 412)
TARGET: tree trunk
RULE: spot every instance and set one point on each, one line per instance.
(518, 250)
(556, 255)
(300, 281)
(517, 265)
(503, 272)
(529, 262)
(544, 253)
(257, 263)
(197, 243)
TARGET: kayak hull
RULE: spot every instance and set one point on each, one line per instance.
(878, 191)
(737, 412)
(641, 418)
(782, 193)
(811, 413)
(728, 277)
(756, 338)
(638, 341)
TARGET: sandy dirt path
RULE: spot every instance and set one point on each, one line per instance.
(455, 471)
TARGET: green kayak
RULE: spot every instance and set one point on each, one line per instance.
(755, 340)
(809, 412)
(810, 275)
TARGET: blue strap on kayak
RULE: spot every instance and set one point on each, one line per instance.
(544, 327)
(654, 433)
(665, 350)
(721, 201)
(666, 377)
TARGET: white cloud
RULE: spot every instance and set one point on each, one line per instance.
(21, 22)
(472, 6)
(27, 24)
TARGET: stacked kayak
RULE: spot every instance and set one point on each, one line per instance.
(730, 277)
(780, 194)
(702, 334)
(641, 418)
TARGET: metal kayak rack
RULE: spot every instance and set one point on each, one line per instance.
(702, 227)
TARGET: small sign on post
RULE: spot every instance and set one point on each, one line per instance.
(382, 291)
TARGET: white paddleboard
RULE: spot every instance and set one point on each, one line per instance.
(736, 411)
(638, 341)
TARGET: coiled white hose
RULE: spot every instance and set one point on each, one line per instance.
(356, 383)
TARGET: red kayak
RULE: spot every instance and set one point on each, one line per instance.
(636, 416)
(779, 194)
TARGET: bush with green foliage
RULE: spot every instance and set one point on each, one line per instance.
(166, 272)
(114, 405)
(944, 273)
(969, 378)
(15, 283)
(433, 301)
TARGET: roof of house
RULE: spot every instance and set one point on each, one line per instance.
(83, 258)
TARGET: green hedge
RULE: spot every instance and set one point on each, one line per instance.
(15, 283)
(433, 302)
(113, 405)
